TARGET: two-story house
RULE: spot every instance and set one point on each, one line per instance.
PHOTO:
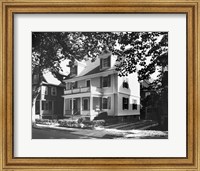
(49, 102)
(95, 87)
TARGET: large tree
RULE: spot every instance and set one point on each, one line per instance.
(139, 52)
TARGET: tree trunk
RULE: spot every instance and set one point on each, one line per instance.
(33, 110)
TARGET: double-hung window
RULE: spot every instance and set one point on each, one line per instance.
(88, 83)
(106, 81)
(134, 105)
(106, 102)
(105, 62)
(125, 83)
(47, 105)
(86, 104)
(73, 70)
(125, 103)
(53, 91)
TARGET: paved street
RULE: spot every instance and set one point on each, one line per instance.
(48, 133)
(55, 132)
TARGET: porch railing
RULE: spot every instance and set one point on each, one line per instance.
(77, 90)
(83, 90)
(72, 112)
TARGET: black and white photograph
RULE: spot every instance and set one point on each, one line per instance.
(100, 85)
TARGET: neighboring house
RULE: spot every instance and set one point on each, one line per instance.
(148, 97)
(95, 87)
(49, 102)
(154, 105)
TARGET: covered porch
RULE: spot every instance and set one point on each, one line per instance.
(88, 106)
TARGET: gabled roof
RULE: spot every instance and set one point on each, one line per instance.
(91, 67)
(49, 79)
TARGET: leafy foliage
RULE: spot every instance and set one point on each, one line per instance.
(141, 52)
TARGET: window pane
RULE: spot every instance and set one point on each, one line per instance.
(125, 103)
(125, 85)
(96, 103)
(134, 105)
(85, 104)
(88, 83)
(73, 70)
(105, 62)
(53, 91)
(70, 104)
(106, 81)
(105, 103)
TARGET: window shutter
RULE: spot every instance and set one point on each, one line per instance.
(101, 82)
(127, 103)
(123, 103)
(100, 63)
(109, 81)
(70, 104)
(109, 102)
(109, 60)
(101, 101)
(76, 68)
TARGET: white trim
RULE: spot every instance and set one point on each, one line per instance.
(103, 74)
(129, 94)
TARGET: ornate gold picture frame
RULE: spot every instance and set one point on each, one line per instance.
(11, 7)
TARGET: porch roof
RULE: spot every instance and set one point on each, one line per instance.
(80, 95)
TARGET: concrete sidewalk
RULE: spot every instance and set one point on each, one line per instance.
(107, 133)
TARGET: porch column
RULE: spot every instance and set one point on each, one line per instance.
(40, 109)
(64, 107)
(91, 106)
(81, 106)
(72, 107)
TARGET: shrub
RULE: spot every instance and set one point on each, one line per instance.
(69, 123)
(46, 121)
(98, 122)
(43, 121)
(103, 115)
(88, 124)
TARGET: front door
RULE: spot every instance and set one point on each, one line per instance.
(76, 105)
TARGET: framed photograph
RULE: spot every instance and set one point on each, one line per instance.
(99, 85)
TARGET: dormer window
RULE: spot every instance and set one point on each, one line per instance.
(105, 63)
(125, 83)
(73, 70)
